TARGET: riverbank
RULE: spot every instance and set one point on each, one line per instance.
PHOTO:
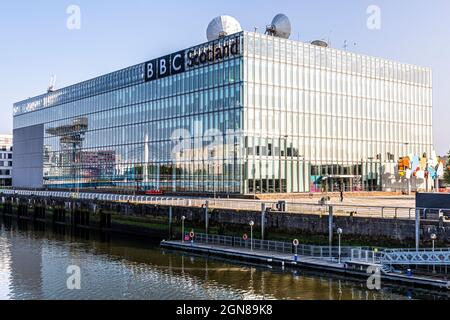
(148, 219)
(155, 224)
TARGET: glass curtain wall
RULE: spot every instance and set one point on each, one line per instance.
(176, 134)
(318, 118)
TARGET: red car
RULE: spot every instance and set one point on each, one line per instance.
(154, 193)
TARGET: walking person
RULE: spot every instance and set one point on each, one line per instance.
(342, 194)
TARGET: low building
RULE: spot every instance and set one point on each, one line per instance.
(6, 160)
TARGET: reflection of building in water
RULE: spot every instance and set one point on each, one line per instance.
(5, 268)
(25, 268)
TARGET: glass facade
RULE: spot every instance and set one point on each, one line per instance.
(120, 132)
(319, 118)
(280, 116)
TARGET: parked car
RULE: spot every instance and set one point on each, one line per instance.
(154, 193)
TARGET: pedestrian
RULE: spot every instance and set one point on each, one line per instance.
(342, 195)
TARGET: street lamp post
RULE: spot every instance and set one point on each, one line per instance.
(183, 218)
(252, 224)
(433, 239)
(339, 232)
(296, 244)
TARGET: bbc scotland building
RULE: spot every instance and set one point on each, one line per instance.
(245, 114)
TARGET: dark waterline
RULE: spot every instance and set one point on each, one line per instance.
(34, 262)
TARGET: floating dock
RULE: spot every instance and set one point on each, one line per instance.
(346, 267)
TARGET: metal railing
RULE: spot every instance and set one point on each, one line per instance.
(426, 257)
(435, 214)
(235, 204)
(276, 247)
(419, 257)
(366, 256)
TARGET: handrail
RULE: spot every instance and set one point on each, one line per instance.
(322, 252)
(243, 204)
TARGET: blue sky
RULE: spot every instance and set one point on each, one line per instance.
(35, 42)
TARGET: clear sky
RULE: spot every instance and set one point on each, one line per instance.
(36, 43)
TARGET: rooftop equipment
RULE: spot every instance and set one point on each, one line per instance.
(221, 27)
(320, 43)
(280, 27)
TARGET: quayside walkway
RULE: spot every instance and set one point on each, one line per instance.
(367, 208)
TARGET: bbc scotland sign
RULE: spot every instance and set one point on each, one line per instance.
(181, 61)
(165, 66)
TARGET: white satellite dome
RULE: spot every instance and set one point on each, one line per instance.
(280, 27)
(221, 27)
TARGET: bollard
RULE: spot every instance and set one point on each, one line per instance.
(330, 229)
(207, 219)
(263, 220)
(170, 222)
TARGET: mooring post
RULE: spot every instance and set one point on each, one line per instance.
(207, 219)
(170, 222)
(263, 221)
(418, 229)
(330, 229)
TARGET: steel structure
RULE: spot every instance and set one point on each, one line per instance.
(400, 257)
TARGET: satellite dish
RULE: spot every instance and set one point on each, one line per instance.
(221, 27)
(320, 43)
(280, 27)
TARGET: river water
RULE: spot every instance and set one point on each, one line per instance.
(34, 262)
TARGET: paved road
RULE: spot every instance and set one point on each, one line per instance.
(390, 201)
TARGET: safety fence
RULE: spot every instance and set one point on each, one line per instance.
(426, 257)
(386, 212)
(319, 252)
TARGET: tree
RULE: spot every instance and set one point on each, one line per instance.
(447, 170)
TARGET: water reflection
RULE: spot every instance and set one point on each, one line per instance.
(34, 261)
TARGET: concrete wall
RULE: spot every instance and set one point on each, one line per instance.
(28, 157)
(372, 229)
(376, 231)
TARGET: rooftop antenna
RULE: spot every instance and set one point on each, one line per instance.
(52, 85)
(346, 45)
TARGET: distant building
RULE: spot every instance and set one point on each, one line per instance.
(6, 160)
